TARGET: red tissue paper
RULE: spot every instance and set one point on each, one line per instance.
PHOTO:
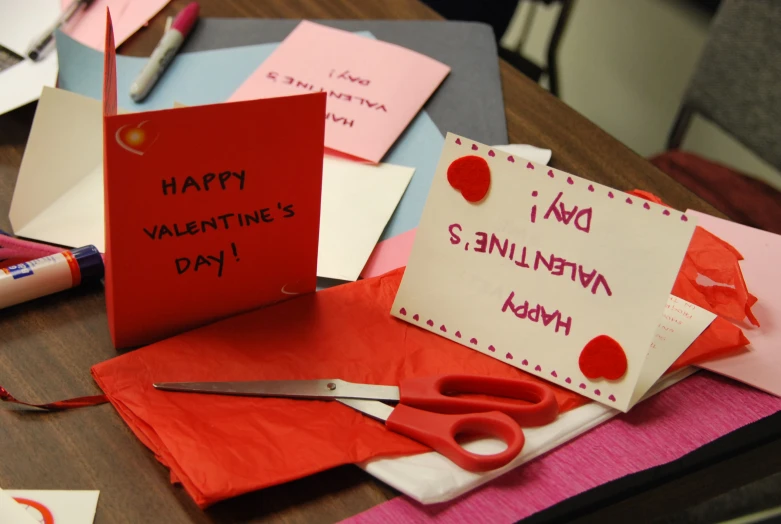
(221, 446)
(710, 277)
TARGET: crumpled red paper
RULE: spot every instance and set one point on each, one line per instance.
(724, 294)
(220, 447)
(724, 291)
(710, 274)
(720, 339)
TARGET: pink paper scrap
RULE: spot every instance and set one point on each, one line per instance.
(389, 254)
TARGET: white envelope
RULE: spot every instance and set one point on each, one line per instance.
(59, 191)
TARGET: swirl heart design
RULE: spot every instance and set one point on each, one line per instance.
(137, 139)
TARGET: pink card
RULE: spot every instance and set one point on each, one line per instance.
(128, 16)
(374, 88)
(761, 366)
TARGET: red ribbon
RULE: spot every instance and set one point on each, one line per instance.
(78, 402)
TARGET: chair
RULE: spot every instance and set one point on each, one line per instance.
(737, 86)
(737, 82)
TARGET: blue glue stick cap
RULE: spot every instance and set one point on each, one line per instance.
(90, 262)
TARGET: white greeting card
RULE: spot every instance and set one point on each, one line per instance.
(556, 275)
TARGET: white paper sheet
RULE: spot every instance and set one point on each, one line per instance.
(20, 23)
(535, 154)
(680, 325)
(57, 506)
(13, 512)
(358, 200)
(22, 83)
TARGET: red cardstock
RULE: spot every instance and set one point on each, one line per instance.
(210, 210)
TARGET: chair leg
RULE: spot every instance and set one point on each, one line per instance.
(681, 125)
(553, 46)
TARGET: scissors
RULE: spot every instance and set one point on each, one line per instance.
(429, 409)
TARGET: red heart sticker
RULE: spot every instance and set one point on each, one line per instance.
(603, 357)
(471, 176)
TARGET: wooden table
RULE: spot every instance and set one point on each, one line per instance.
(47, 347)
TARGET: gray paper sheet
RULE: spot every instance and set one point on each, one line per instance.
(469, 102)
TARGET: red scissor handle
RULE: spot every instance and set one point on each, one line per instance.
(439, 433)
(439, 394)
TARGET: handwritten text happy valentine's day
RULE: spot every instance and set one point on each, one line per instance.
(223, 181)
(346, 97)
(528, 258)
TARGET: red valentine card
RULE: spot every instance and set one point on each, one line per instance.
(209, 210)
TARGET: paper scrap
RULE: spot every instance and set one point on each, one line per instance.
(358, 200)
(680, 325)
(13, 512)
(57, 506)
(374, 88)
(537, 155)
(128, 16)
(20, 24)
(541, 268)
(389, 254)
(22, 83)
(761, 365)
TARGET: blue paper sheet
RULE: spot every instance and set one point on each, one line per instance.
(209, 77)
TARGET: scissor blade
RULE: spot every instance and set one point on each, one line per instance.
(304, 389)
(373, 408)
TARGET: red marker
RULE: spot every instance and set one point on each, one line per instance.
(164, 52)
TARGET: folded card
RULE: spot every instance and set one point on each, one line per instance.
(374, 88)
(559, 276)
(209, 210)
(58, 196)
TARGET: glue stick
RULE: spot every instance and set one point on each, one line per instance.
(49, 274)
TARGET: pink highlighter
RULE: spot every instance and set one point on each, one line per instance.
(164, 52)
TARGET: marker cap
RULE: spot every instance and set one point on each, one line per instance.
(90, 262)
